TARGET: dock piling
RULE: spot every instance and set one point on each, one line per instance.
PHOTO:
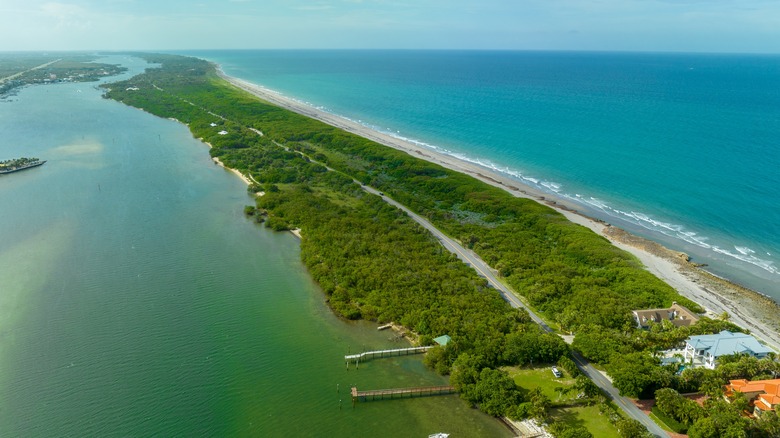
(381, 394)
(384, 353)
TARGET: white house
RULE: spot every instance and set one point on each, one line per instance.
(705, 350)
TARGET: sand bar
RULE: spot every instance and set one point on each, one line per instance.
(745, 308)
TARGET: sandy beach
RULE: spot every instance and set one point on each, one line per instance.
(744, 307)
(243, 177)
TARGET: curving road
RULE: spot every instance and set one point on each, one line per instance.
(484, 270)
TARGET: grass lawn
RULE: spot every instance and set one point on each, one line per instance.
(588, 417)
(660, 422)
(542, 377)
(585, 416)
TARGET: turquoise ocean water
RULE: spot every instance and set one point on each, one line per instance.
(680, 148)
(137, 300)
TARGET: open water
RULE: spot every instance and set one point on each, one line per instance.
(679, 148)
(137, 300)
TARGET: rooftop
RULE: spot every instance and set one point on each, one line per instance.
(442, 340)
(676, 314)
(726, 342)
(769, 391)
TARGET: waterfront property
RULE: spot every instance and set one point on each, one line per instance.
(676, 314)
(18, 164)
(705, 350)
(764, 395)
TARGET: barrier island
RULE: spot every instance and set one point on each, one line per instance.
(373, 262)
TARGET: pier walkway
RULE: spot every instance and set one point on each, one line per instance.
(382, 394)
(385, 353)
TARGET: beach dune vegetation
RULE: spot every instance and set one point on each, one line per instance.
(374, 262)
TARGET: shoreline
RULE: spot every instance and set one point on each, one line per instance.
(746, 308)
(222, 165)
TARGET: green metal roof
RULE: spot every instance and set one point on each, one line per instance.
(442, 340)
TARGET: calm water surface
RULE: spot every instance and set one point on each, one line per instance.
(136, 300)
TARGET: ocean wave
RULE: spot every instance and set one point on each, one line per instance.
(744, 250)
(677, 231)
(644, 220)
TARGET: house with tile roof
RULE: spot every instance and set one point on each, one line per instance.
(677, 315)
(705, 350)
(764, 395)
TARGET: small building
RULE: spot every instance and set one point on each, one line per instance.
(222, 132)
(677, 315)
(764, 395)
(442, 340)
(705, 350)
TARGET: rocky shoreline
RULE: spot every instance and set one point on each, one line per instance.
(744, 307)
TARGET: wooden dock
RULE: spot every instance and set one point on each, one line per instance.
(389, 394)
(384, 353)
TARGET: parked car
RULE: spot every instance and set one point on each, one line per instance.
(556, 372)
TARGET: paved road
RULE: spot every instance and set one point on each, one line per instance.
(484, 270)
(467, 256)
(624, 403)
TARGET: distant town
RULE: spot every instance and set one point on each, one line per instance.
(49, 69)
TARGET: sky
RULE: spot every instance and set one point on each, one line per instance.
(750, 26)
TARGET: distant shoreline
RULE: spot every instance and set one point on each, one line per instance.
(746, 308)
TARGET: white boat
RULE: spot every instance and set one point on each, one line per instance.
(439, 435)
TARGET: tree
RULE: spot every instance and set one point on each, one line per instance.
(638, 374)
(630, 428)
(586, 386)
(569, 366)
(563, 430)
(496, 392)
(533, 346)
(678, 407)
(768, 425)
(540, 404)
(597, 344)
(723, 420)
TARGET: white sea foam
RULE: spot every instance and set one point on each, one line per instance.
(644, 220)
(744, 250)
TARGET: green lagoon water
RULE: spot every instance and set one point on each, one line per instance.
(136, 299)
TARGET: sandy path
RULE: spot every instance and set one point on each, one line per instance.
(745, 308)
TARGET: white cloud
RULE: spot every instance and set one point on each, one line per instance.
(67, 16)
(527, 24)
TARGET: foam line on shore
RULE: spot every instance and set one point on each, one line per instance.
(746, 308)
(556, 190)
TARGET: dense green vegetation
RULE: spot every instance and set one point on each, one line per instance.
(373, 262)
(572, 406)
(370, 259)
(718, 418)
